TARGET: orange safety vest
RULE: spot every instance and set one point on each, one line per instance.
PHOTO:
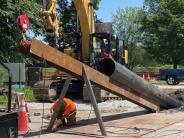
(69, 106)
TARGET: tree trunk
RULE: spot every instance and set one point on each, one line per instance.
(175, 65)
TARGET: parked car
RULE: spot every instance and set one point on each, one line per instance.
(172, 76)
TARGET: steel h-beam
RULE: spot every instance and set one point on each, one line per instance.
(37, 49)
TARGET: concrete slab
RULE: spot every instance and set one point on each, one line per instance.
(127, 124)
(135, 126)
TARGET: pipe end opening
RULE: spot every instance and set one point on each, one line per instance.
(106, 66)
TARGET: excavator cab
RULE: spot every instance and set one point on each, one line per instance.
(104, 44)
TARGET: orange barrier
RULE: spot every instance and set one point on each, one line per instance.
(149, 78)
(153, 75)
(143, 76)
(22, 114)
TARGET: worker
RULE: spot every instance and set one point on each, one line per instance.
(67, 114)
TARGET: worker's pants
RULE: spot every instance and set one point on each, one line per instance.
(70, 119)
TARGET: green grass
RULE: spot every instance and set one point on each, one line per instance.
(3, 100)
(27, 91)
(145, 69)
(49, 70)
(153, 69)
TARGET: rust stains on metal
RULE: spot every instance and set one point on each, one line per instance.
(37, 49)
(25, 46)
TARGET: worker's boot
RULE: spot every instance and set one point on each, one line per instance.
(71, 120)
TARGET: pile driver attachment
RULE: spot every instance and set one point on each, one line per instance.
(49, 16)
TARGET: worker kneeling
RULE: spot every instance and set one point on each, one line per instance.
(67, 114)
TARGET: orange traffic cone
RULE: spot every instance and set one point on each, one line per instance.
(149, 78)
(143, 76)
(22, 114)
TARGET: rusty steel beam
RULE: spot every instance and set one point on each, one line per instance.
(38, 50)
(119, 73)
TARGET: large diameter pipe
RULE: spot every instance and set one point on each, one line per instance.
(124, 76)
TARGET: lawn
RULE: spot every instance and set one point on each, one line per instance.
(27, 91)
(154, 69)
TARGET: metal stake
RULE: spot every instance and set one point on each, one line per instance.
(94, 103)
(65, 87)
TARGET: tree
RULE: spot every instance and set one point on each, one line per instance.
(163, 26)
(96, 4)
(10, 34)
(126, 25)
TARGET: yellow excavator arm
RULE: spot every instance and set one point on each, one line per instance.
(85, 14)
(49, 16)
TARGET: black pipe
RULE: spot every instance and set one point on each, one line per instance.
(120, 74)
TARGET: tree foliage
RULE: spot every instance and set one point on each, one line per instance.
(126, 24)
(163, 26)
(96, 4)
(67, 16)
(10, 34)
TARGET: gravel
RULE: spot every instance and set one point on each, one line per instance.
(107, 106)
(174, 110)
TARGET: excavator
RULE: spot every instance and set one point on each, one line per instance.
(110, 75)
(97, 40)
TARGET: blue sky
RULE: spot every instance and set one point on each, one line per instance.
(108, 7)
